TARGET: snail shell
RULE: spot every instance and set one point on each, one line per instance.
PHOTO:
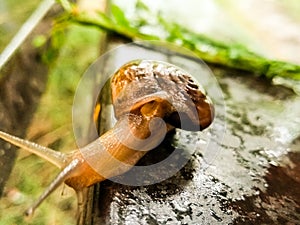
(143, 81)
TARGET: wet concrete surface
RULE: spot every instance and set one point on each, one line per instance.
(279, 203)
(245, 169)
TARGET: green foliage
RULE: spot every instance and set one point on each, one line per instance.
(13, 13)
(71, 50)
(147, 25)
(39, 41)
(141, 6)
(77, 49)
(119, 16)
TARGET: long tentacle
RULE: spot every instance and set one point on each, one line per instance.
(61, 177)
(57, 158)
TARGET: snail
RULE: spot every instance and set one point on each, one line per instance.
(150, 98)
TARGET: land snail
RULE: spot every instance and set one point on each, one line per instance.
(150, 98)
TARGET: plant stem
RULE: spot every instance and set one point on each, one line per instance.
(229, 55)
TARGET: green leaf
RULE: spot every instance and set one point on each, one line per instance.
(119, 16)
(158, 28)
(140, 5)
(66, 5)
(39, 41)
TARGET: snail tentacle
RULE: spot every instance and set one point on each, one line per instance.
(60, 178)
(57, 158)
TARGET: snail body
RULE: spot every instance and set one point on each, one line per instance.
(150, 98)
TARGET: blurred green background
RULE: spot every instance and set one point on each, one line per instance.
(225, 20)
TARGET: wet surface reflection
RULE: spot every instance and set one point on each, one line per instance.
(279, 203)
(253, 178)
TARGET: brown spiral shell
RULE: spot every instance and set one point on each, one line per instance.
(142, 81)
